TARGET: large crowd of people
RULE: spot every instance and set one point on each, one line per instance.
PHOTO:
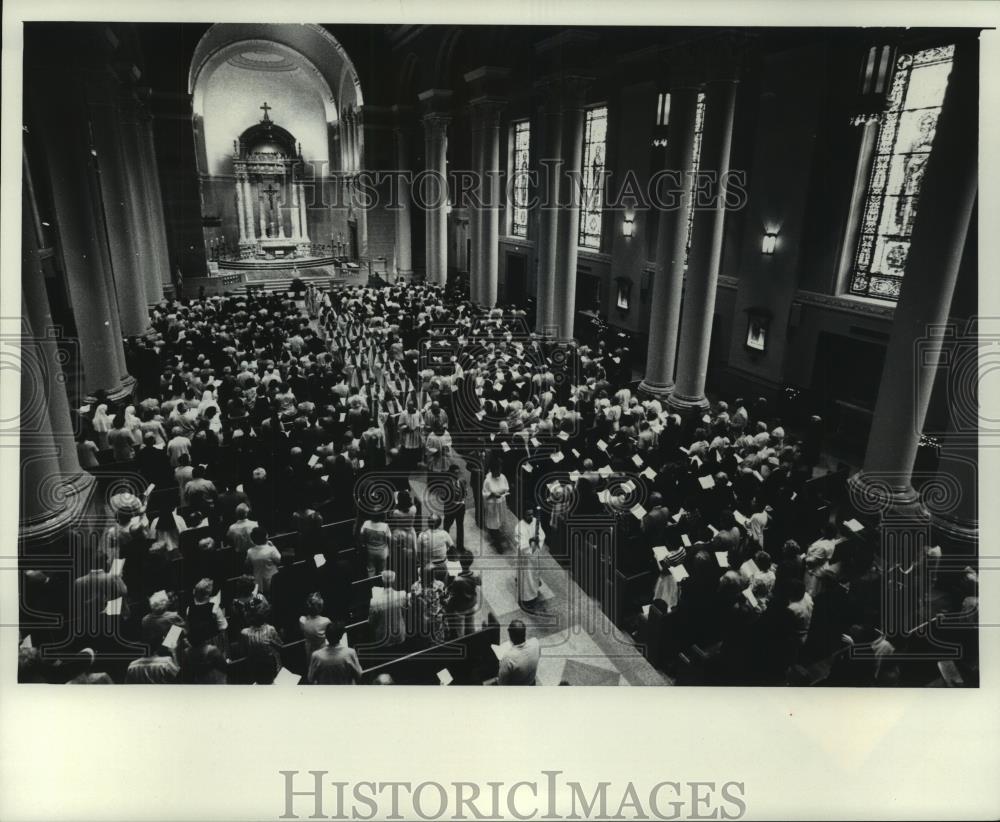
(263, 420)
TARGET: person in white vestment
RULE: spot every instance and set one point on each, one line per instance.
(495, 489)
(529, 538)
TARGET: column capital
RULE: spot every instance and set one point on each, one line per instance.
(487, 81)
(693, 63)
(683, 67)
(724, 56)
(569, 47)
(402, 117)
(436, 123)
(485, 112)
(563, 91)
(435, 100)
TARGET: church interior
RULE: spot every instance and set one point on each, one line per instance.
(426, 354)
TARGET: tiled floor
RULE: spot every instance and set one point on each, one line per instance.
(580, 645)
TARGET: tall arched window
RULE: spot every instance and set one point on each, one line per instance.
(903, 145)
(699, 129)
(520, 159)
(659, 144)
(595, 139)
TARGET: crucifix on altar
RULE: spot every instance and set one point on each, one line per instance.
(271, 193)
(267, 193)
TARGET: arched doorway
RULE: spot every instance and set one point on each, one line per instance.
(277, 138)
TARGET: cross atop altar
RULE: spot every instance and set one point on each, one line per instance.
(265, 108)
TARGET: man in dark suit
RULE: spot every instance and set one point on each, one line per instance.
(454, 509)
(153, 463)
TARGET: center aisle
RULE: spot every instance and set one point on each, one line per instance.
(579, 643)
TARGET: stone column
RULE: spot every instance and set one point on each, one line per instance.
(706, 251)
(241, 217)
(404, 242)
(148, 262)
(303, 213)
(947, 197)
(550, 166)
(153, 200)
(147, 259)
(248, 199)
(339, 139)
(671, 242)
(955, 515)
(477, 208)
(568, 234)
(296, 214)
(279, 210)
(359, 139)
(435, 193)
(345, 142)
(349, 140)
(263, 210)
(492, 190)
(123, 237)
(64, 134)
(54, 489)
(488, 86)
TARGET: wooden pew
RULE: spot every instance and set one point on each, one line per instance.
(469, 660)
(632, 591)
(361, 595)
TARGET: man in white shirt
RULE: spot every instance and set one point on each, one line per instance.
(434, 543)
(817, 555)
(179, 444)
(386, 614)
(519, 665)
(183, 419)
(239, 534)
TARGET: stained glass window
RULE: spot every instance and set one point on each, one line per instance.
(905, 138)
(592, 196)
(699, 128)
(521, 159)
(662, 119)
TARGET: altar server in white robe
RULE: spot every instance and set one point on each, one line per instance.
(530, 538)
(495, 490)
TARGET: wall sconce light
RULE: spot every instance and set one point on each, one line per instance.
(769, 242)
(628, 228)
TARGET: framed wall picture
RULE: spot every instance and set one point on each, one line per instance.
(758, 329)
(623, 294)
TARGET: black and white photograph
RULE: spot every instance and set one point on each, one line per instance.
(518, 351)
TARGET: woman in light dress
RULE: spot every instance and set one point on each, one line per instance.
(403, 539)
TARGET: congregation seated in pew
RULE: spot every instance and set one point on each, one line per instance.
(267, 425)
